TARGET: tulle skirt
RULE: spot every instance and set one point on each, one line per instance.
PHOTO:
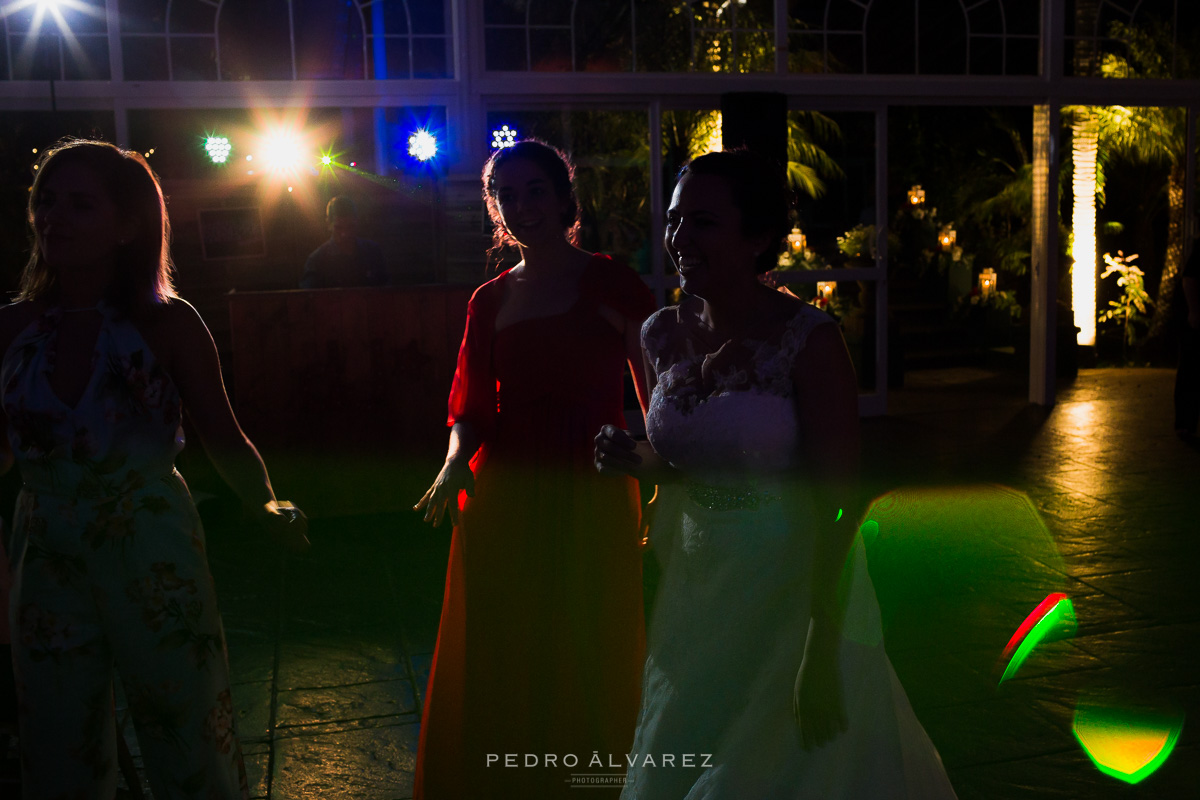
(726, 641)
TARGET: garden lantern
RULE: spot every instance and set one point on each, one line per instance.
(987, 282)
(948, 237)
(825, 290)
(916, 196)
(796, 241)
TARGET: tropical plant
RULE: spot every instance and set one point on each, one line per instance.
(809, 165)
(1130, 309)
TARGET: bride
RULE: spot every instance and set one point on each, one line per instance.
(766, 675)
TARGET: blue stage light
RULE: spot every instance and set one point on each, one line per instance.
(422, 145)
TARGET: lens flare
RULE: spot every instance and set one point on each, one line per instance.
(1126, 744)
(422, 145)
(1054, 615)
(283, 150)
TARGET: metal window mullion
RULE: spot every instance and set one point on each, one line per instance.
(167, 33)
(216, 37)
(1174, 36)
(412, 64)
(825, 41)
(116, 60)
(633, 33)
(574, 6)
(1004, 42)
(781, 37)
(528, 37)
(362, 20)
(967, 21)
(916, 37)
(292, 36)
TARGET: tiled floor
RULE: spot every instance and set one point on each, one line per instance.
(985, 505)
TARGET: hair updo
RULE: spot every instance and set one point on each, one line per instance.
(558, 168)
(759, 190)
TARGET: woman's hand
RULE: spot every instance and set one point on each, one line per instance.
(286, 525)
(817, 701)
(618, 453)
(442, 496)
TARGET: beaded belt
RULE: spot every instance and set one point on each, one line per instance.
(729, 499)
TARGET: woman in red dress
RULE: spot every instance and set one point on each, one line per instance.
(540, 648)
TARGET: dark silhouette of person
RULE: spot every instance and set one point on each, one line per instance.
(345, 260)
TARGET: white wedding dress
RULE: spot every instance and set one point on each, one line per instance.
(732, 610)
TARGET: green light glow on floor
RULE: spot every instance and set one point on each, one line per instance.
(839, 516)
(869, 532)
(1126, 744)
(1059, 616)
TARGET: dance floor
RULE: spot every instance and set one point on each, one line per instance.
(985, 506)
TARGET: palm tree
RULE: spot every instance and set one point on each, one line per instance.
(1152, 135)
(808, 163)
(1084, 147)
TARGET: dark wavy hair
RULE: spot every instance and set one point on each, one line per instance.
(759, 189)
(558, 168)
(144, 271)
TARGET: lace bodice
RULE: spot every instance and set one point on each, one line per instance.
(725, 416)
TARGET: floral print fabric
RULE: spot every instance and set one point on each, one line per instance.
(110, 571)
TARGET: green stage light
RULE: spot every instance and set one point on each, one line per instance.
(218, 148)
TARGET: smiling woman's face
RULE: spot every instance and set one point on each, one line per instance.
(76, 222)
(530, 208)
(704, 236)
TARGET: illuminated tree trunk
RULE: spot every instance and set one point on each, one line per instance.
(1174, 259)
(1085, 141)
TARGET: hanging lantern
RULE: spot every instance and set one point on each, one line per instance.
(796, 241)
(916, 196)
(947, 238)
(987, 282)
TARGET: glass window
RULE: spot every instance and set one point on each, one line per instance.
(505, 48)
(193, 58)
(329, 41)
(255, 40)
(428, 16)
(430, 57)
(143, 16)
(661, 37)
(88, 62)
(83, 17)
(145, 58)
(192, 16)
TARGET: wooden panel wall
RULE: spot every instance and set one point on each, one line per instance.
(328, 382)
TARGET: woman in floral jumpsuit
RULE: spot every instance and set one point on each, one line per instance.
(100, 358)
